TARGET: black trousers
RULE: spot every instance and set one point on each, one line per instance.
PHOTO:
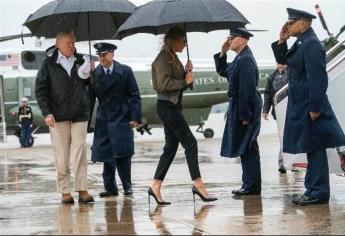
(123, 165)
(316, 179)
(251, 170)
(176, 131)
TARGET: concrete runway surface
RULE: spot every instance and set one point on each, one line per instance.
(29, 203)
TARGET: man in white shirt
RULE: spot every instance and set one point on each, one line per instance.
(61, 95)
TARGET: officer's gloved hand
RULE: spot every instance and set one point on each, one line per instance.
(85, 68)
(87, 64)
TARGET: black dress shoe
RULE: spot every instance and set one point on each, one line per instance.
(69, 200)
(296, 198)
(244, 192)
(86, 200)
(128, 192)
(310, 200)
(109, 194)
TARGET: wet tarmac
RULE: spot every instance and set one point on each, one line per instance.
(29, 203)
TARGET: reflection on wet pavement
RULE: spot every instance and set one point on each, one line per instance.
(157, 219)
(29, 203)
(200, 217)
(73, 220)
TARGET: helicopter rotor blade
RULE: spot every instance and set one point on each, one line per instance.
(15, 36)
(323, 22)
(340, 31)
(258, 30)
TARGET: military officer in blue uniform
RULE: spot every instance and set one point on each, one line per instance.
(243, 118)
(118, 112)
(310, 125)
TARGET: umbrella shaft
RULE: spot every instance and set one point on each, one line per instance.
(88, 32)
(185, 28)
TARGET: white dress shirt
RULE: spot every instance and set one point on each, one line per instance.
(67, 64)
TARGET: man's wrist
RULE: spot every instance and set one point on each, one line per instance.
(47, 116)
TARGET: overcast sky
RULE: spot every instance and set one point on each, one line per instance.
(268, 14)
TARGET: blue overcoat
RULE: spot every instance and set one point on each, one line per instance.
(308, 83)
(119, 103)
(245, 102)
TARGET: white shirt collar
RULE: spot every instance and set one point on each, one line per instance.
(67, 64)
(63, 57)
(110, 68)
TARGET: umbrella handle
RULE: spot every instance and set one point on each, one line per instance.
(90, 49)
(187, 47)
(88, 35)
(185, 28)
(191, 85)
(88, 32)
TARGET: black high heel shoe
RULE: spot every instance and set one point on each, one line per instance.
(205, 199)
(151, 193)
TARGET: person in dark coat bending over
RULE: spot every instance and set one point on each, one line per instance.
(310, 124)
(118, 112)
(244, 114)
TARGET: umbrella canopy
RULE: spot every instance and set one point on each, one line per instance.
(89, 19)
(157, 16)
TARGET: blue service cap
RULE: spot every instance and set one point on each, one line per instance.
(240, 32)
(104, 47)
(295, 14)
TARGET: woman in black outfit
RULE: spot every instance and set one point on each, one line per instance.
(170, 79)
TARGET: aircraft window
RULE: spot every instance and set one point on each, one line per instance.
(32, 60)
(28, 56)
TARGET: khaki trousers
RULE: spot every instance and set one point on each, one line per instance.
(69, 144)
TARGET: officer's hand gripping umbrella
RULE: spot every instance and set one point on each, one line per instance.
(88, 19)
(156, 17)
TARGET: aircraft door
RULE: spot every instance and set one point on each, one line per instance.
(10, 98)
(26, 87)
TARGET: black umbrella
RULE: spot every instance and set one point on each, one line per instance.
(89, 19)
(156, 17)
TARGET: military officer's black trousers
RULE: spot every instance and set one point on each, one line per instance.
(316, 179)
(251, 172)
(176, 131)
(123, 166)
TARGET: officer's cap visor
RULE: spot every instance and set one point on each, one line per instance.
(103, 53)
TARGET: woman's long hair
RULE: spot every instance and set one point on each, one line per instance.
(173, 34)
